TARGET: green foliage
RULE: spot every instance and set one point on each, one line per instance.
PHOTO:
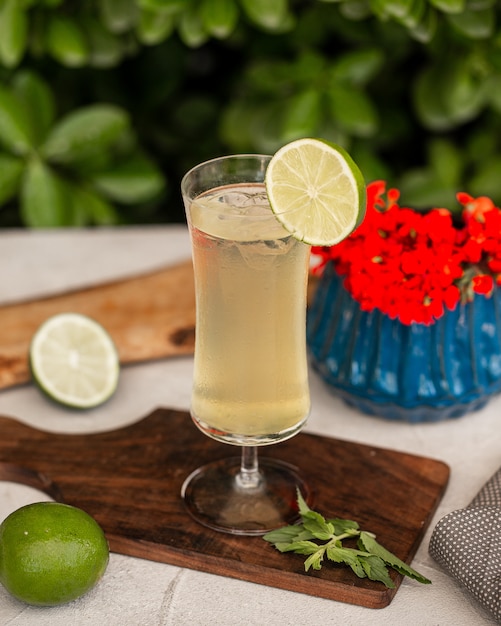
(105, 103)
(66, 171)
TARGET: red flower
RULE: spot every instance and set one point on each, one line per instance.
(413, 266)
(482, 283)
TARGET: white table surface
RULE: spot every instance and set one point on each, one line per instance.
(137, 592)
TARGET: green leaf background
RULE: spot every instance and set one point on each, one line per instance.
(117, 99)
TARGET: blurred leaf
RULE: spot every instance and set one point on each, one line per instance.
(398, 8)
(448, 94)
(193, 114)
(16, 133)
(87, 207)
(358, 66)
(416, 14)
(119, 16)
(99, 210)
(495, 53)
(37, 40)
(11, 170)
(265, 126)
(66, 41)
(428, 100)
(105, 49)
(353, 110)
(309, 68)
(135, 180)
(191, 29)
(482, 145)
(354, 9)
(13, 32)
(464, 92)
(170, 6)
(269, 14)
(425, 29)
(371, 166)
(219, 17)
(235, 127)
(449, 6)
(85, 132)
(485, 182)
(475, 24)
(446, 161)
(301, 116)
(421, 189)
(38, 99)
(330, 131)
(478, 5)
(378, 7)
(43, 199)
(154, 27)
(494, 91)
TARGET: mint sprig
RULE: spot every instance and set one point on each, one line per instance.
(318, 538)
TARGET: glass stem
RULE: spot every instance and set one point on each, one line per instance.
(249, 476)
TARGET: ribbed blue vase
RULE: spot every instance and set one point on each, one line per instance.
(413, 373)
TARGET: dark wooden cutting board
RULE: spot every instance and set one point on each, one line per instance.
(130, 479)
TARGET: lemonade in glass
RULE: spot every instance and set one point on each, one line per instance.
(251, 379)
(252, 220)
(250, 385)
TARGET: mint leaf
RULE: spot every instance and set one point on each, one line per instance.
(369, 543)
(317, 525)
(369, 561)
(342, 526)
(301, 504)
(348, 556)
(315, 552)
(284, 534)
(303, 547)
(315, 560)
(283, 546)
(376, 569)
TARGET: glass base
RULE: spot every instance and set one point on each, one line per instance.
(247, 440)
(220, 496)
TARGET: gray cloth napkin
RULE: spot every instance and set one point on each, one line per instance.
(467, 543)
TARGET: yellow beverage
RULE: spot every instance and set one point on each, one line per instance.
(250, 378)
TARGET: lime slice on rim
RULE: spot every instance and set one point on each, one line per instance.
(316, 191)
(74, 361)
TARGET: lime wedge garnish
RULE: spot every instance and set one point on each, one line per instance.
(316, 191)
(74, 361)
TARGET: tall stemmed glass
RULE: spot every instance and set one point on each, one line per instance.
(250, 384)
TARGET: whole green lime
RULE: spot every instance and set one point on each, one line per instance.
(51, 553)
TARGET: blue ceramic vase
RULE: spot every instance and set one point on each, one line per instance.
(414, 373)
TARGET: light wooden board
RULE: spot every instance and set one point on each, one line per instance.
(149, 316)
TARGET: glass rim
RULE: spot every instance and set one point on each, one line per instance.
(192, 199)
(227, 157)
(220, 159)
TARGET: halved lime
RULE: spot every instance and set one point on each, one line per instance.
(74, 361)
(316, 191)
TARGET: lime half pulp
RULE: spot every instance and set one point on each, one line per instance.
(316, 191)
(74, 361)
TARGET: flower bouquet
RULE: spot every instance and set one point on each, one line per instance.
(406, 320)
